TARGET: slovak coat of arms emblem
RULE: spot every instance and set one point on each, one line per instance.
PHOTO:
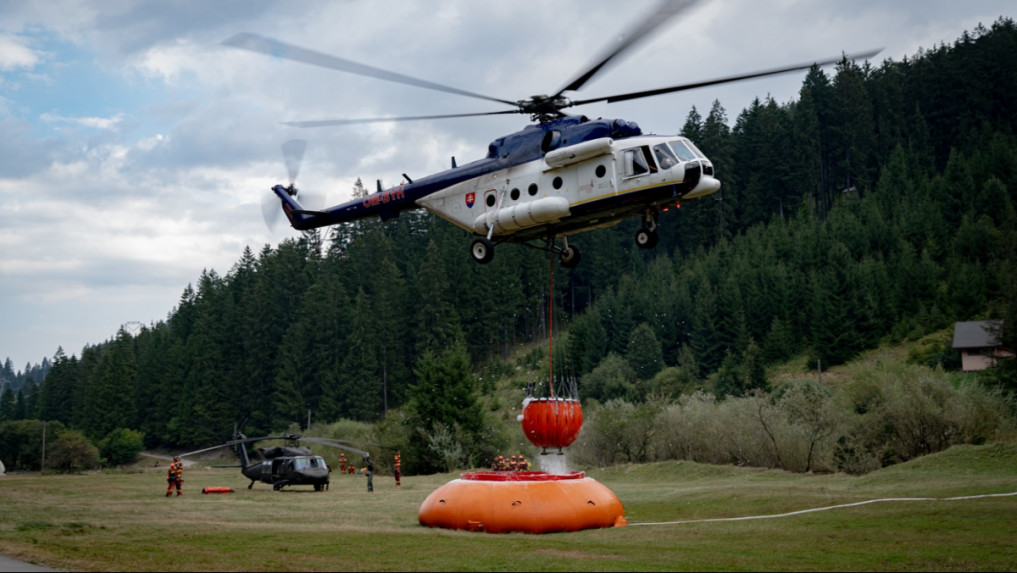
(471, 200)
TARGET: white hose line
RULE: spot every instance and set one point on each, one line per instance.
(804, 511)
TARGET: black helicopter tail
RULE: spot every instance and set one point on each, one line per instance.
(245, 462)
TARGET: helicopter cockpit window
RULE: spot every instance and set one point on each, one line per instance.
(635, 163)
(318, 463)
(695, 150)
(682, 151)
(301, 463)
(665, 157)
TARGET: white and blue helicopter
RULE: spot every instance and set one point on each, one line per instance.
(562, 176)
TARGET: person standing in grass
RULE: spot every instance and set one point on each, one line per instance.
(175, 477)
(398, 470)
(370, 476)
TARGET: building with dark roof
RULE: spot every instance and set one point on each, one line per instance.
(979, 344)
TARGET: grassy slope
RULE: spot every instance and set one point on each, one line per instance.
(121, 522)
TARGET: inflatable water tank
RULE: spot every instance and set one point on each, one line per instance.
(522, 502)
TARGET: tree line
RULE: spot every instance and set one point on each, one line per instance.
(877, 206)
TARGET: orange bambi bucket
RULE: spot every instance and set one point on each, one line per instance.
(552, 422)
(209, 490)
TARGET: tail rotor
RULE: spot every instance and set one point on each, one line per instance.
(293, 155)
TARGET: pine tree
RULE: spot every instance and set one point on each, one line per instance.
(21, 407)
(8, 405)
(644, 354)
(439, 327)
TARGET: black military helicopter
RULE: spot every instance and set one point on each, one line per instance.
(283, 466)
(563, 176)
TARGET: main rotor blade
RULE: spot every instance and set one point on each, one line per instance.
(323, 442)
(359, 444)
(641, 30)
(270, 47)
(334, 122)
(730, 79)
(234, 443)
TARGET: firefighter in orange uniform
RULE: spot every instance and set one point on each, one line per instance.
(524, 466)
(398, 470)
(513, 465)
(175, 477)
(342, 463)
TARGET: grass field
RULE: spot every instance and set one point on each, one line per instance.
(120, 521)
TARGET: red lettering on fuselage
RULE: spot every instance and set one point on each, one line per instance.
(384, 197)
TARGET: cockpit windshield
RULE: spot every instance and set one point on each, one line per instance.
(301, 463)
(665, 157)
(318, 463)
(682, 150)
(695, 149)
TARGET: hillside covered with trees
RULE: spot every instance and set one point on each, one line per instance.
(879, 206)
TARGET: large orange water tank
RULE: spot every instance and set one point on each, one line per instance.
(522, 502)
(552, 422)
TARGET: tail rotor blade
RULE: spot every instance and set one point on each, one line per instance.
(293, 153)
(271, 208)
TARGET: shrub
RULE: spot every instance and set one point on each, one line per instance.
(121, 447)
(613, 379)
(72, 452)
(21, 442)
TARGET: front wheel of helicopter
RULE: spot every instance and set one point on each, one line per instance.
(647, 239)
(570, 257)
(482, 250)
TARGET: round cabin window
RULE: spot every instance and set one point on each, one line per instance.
(532, 189)
(514, 194)
(601, 171)
(557, 183)
(490, 200)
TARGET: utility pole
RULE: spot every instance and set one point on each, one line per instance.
(308, 420)
(42, 468)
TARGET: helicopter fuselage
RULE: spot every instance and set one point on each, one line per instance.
(548, 180)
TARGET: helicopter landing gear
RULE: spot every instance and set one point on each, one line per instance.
(647, 237)
(570, 256)
(251, 486)
(482, 250)
(319, 487)
(277, 486)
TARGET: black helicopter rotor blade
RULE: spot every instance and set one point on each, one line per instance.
(335, 122)
(234, 443)
(640, 31)
(359, 444)
(727, 80)
(323, 442)
(275, 48)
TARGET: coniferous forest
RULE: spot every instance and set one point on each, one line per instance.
(878, 206)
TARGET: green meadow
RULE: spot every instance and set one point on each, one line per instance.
(119, 521)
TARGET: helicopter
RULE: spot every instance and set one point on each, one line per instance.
(561, 176)
(283, 466)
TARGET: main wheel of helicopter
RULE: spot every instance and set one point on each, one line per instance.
(647, 239)
(482, 250)
(570, 256)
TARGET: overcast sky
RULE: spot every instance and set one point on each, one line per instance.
(135, 150)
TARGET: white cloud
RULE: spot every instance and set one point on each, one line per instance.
(14, 54)
(93, 122)
(114, 221)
